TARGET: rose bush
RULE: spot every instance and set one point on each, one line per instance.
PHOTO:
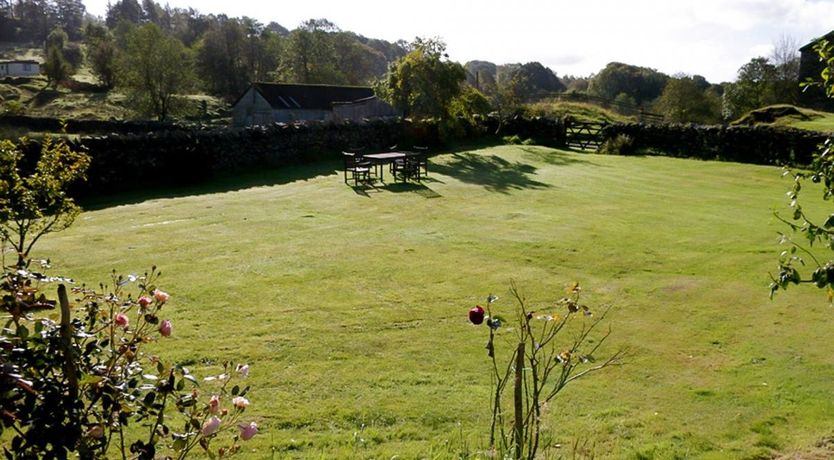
(538, 365)
(86, 385)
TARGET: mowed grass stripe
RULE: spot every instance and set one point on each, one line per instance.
(350, 304)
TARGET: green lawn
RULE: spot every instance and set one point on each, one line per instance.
(825, 123)
(350, 305)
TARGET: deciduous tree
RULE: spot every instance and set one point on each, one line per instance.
(424, 82)
(155, 69)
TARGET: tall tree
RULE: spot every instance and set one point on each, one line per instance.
(754, 87)
(219, 58)
(155, 68)
(685, 100)
(124, 10)
(785, 57)
(641, 83)
(69, 15)
(310, 56)
(101, 53)
(423, 82)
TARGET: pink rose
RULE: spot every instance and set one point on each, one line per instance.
(121, 320)
(240, 402)
(160, 296)
(211, 426)
(165, 328)
(214, 404)
(144, 301)
(248, 431)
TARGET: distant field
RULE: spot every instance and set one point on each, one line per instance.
(351, 306)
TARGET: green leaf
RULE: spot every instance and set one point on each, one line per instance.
(235, 390)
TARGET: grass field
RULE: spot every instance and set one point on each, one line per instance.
(350, 305)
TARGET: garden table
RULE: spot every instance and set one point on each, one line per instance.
(380, 159)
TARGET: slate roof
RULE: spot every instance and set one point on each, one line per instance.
(829, 36)
(309, 97)
(19, 61)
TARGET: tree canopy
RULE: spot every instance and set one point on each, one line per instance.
(423, 82)
(154, 69)
(641, 83)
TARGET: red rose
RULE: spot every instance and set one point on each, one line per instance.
(476, 315)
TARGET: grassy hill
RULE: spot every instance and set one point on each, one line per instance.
(350, 305)
(580, 111)
(790, 116)
(80, 98)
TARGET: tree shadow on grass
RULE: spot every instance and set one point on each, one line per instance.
(557, 157)
(490, 171)
(226, 183)
(417, 188)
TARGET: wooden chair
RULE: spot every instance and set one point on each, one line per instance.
(421, 154)
(359, 169)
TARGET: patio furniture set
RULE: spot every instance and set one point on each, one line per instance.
(403, 165)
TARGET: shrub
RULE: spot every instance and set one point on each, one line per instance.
(78, 384)
(622, 144)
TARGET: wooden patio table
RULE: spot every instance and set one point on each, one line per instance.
(380, 159)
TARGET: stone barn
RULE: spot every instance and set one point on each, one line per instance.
(19, 68)
(266, 103)
(810, 68)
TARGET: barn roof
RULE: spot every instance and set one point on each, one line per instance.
(310, 97)
(19, 61)
(829, 36)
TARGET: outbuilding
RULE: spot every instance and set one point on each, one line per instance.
(810, 68)
(18, 68)
(266, 103)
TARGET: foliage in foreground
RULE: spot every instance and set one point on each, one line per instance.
(83, 384)
(812, 230)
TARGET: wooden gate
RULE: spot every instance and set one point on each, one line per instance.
(584, 136)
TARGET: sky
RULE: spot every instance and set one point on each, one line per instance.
(712, 38)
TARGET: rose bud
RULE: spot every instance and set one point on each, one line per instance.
(165, 328)
(214, 404)
(144, 301)
(476, 315)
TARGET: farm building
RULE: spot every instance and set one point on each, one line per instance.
(265, 103)
(810, 68)
(19, 68)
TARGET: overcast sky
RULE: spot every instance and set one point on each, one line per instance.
(712, 38)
